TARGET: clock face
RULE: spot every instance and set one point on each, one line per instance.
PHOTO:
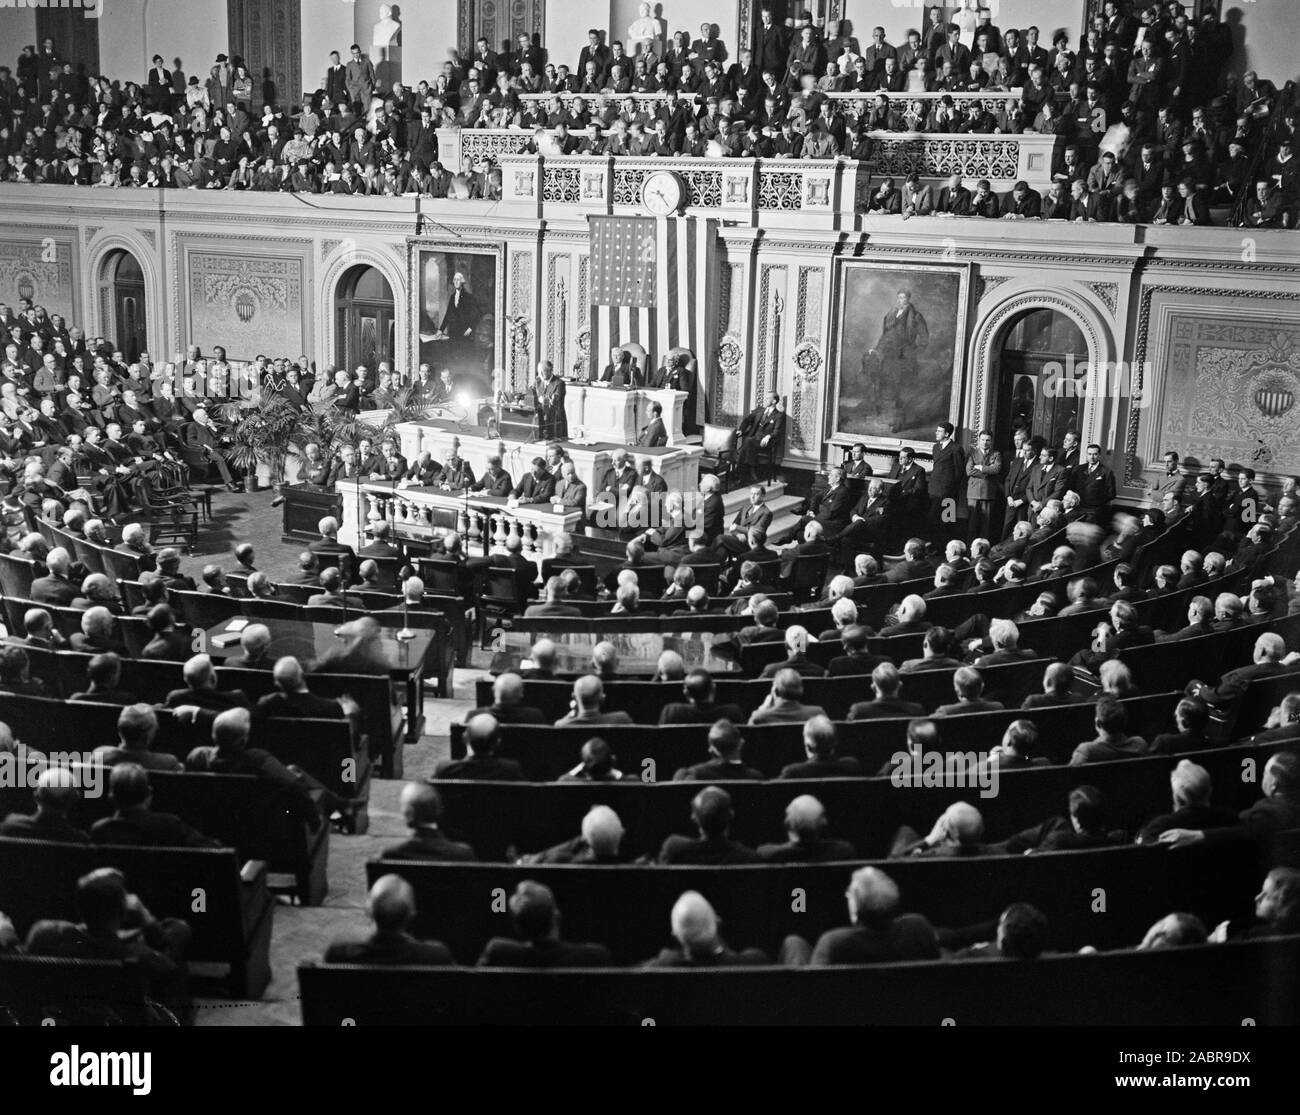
(662, 193)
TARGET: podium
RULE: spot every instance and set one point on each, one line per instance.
(617, 414)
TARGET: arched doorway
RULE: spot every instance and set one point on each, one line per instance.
(122, 303)
(1040, 351)
(364, 312)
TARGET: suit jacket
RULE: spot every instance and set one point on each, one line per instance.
(653, 434)
(144, 828)
(983, 471)
(430, 843)
(502, 952)
(763, 422)
(385, 947)
(832, 506)
(1045, 484)
(532, 489)
(948, 469)
(752, 516)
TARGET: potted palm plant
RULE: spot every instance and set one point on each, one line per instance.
(261, 434)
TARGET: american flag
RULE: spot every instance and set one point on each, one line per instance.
(651, 281)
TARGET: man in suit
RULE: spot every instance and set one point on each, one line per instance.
(480, 763)
(56, 794)
(761, 428)
(909, 496)
(946, 473)
(712, 814)
(784, 704)
(328, 550)
(495, 481)
(1017, 483)
(336, 82)
(886, 684)
(983, 468)
(585, 707)
(1046, 482)
(877, 933)
(869, 520)
(619, 371)
(753, 515)
(538, 945)
(134, 823)
(954, 198)
(1270, 658)
(553, 604)
(700, 706)
(56, 587)
(203, 446)
(830, 507)
(391, 906)
(653, 433)
(571, 491)
(421, 806)
(724, 763)
(1096, 487)
(535, 486)
(820, 745)
(551, 421)
(359, 76)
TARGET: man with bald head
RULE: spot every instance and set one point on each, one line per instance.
(600, 841)
(544, 655)
(1270, 659)
(585, 707)
(711, 813)
(292, 698)
(695, 929)
(421, 806)
(508, 703)
(959, 831)
(56, 796)
(480, 764)
(876, 934)
(169, 642)
(200, 679)
(255, 643)
(391, 906)
(229, 753)
(537, 941)
(805, 825)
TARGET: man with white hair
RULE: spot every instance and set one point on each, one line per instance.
(1004, 636)
(97, 633)
(57, 586)
(695, 929)
(330, 551)
(876, 934)
(1192, 789)
(959, 831)
(201, 688)
(600, 841)
(805, 825)
(796, 645)
(56, 795)
(391, 906)
(254, 642)
(1270, 659)
(292, 699)
(910, 620)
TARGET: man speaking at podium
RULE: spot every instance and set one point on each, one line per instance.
(548, 392)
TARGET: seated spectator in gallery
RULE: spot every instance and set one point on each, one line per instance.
(537, 942)
(712, 814)
(805, 826)
(725, 763)
(391, 907)
(698, 943)
(421, 807)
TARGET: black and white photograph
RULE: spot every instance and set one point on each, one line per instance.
(779, 514)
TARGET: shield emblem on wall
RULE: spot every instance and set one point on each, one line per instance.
(1274, 400)
(245, 306)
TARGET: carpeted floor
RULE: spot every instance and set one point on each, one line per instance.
(302, 933)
